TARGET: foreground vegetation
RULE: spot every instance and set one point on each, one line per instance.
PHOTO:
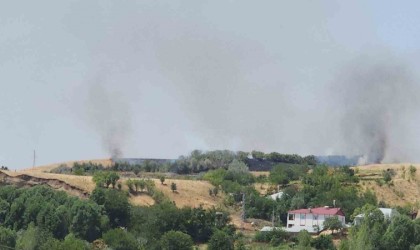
(40, 218)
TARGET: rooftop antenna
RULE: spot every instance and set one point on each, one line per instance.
(33, 164)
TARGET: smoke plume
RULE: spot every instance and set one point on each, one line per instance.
(375, 98)
(109, 114)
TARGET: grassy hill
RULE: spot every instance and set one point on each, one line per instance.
(402, 190)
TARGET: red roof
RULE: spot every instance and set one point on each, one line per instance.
(319, 210)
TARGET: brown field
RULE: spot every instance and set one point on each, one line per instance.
(142, 200)
(403, 191)
(189, 192)
(49, 167)
(259, 173)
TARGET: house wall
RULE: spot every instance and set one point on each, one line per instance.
(307, 222)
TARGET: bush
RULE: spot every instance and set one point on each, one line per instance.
(275, 237)
(7, 237)
(176, 240)
(220, 240)
(119, 239)
(323, 242)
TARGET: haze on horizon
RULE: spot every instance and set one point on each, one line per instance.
(86, 80)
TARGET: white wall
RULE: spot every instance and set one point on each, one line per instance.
(307, 222)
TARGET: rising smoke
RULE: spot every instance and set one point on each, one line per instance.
(109, 114)
(376, 100)
(239, 86)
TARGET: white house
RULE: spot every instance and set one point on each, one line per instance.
(276, 196)
(387, 212)
(311, 219)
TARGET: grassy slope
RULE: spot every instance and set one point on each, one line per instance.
(402, 191)
(189, 192)
(194, 193)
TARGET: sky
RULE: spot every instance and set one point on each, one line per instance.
(157, 79)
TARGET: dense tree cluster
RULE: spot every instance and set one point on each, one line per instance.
(376, 232)
(41, 218)
(284, 158)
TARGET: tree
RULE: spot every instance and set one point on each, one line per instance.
(113, 178)
(412, 171)
(176, 240)
(162, 179)
(72, 243)
(215, 191)
(86, 222)
(323, 242)
(117, 207)
(99, 178)
(7, 237)
(387, 176)
(173, 186)
(130, 185)
(98, 195)
(298, 201)
(141, 184)
(119, 239)
(304, 240)
(333, 223)
(238, 166)
(369, 234)
(4, 210)
(257, 155)
(400, 234)
(278, 175)
(220, 240)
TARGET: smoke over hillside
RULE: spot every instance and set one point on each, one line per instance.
(109, 114)
(376, 100)
(279, 83)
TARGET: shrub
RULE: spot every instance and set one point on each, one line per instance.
(323, 242)
(176, 240)
(118, 239)
(220, 240)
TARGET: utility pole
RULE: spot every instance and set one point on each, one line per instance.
(33, 165)
(243, 211)
(272, 219)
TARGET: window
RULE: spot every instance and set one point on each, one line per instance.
(315, 220)
(290, 225)
(291, 217)
(302, 219)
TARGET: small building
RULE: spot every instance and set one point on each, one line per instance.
(387, 212)
(276, 196)
(311, 219)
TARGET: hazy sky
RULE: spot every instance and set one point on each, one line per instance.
(88, 79)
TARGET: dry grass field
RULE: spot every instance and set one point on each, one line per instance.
(189, 192)
(403, 189)
(49, 167)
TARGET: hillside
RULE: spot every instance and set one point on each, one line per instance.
(403, 189)
(196, 192)
(189, 192)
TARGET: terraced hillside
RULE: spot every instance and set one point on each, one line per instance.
(403, 188)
